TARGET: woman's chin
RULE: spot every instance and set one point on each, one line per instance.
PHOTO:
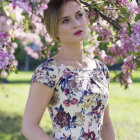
(79, 38)
(74, 39)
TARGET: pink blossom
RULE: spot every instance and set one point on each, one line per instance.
(3, 74)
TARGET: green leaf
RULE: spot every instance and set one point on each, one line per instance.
(99, 38)
(95, 19)
(7, 71)
(117, 39)
(109, 45)
(12, 16)
(126, 17)
(26, 25)
(123, 10)
(4, 3)
(15, 69)
(137, 17)
(0, 71)
(1, 9)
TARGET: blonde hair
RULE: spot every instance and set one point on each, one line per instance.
(51, 16)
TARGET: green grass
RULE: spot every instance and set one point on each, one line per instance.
(124, 108)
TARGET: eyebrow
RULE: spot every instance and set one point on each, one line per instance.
(67, 16)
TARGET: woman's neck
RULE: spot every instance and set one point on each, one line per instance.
(72, 53)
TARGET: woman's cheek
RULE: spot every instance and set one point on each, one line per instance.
(66, 30)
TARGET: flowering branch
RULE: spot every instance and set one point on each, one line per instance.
(110, 20)
(113, 43)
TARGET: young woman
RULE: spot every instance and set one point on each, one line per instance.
(74, 87)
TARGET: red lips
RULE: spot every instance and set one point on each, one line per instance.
(78, 32)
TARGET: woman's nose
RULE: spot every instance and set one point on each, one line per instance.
(76, 23)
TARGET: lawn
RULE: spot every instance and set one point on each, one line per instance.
(124, 108)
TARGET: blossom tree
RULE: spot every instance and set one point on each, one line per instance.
(114, 34)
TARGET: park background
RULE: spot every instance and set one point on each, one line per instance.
(124, 104)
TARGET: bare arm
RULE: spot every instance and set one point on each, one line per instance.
(107, 131)
(39, 97)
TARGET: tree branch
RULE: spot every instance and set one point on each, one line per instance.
(108, 19)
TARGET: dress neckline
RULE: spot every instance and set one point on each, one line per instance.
(74, 68)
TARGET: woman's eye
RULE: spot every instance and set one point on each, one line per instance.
(65, 21)
(80, 15)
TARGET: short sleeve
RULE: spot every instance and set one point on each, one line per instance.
(104, 69)
(106, 72)
(46, 75)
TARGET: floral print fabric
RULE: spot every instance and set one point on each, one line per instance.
(79, 99)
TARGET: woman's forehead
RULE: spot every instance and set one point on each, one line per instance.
(69, 8)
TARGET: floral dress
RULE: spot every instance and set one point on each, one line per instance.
(79, 99)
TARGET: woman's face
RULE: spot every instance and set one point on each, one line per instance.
(72, 20)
